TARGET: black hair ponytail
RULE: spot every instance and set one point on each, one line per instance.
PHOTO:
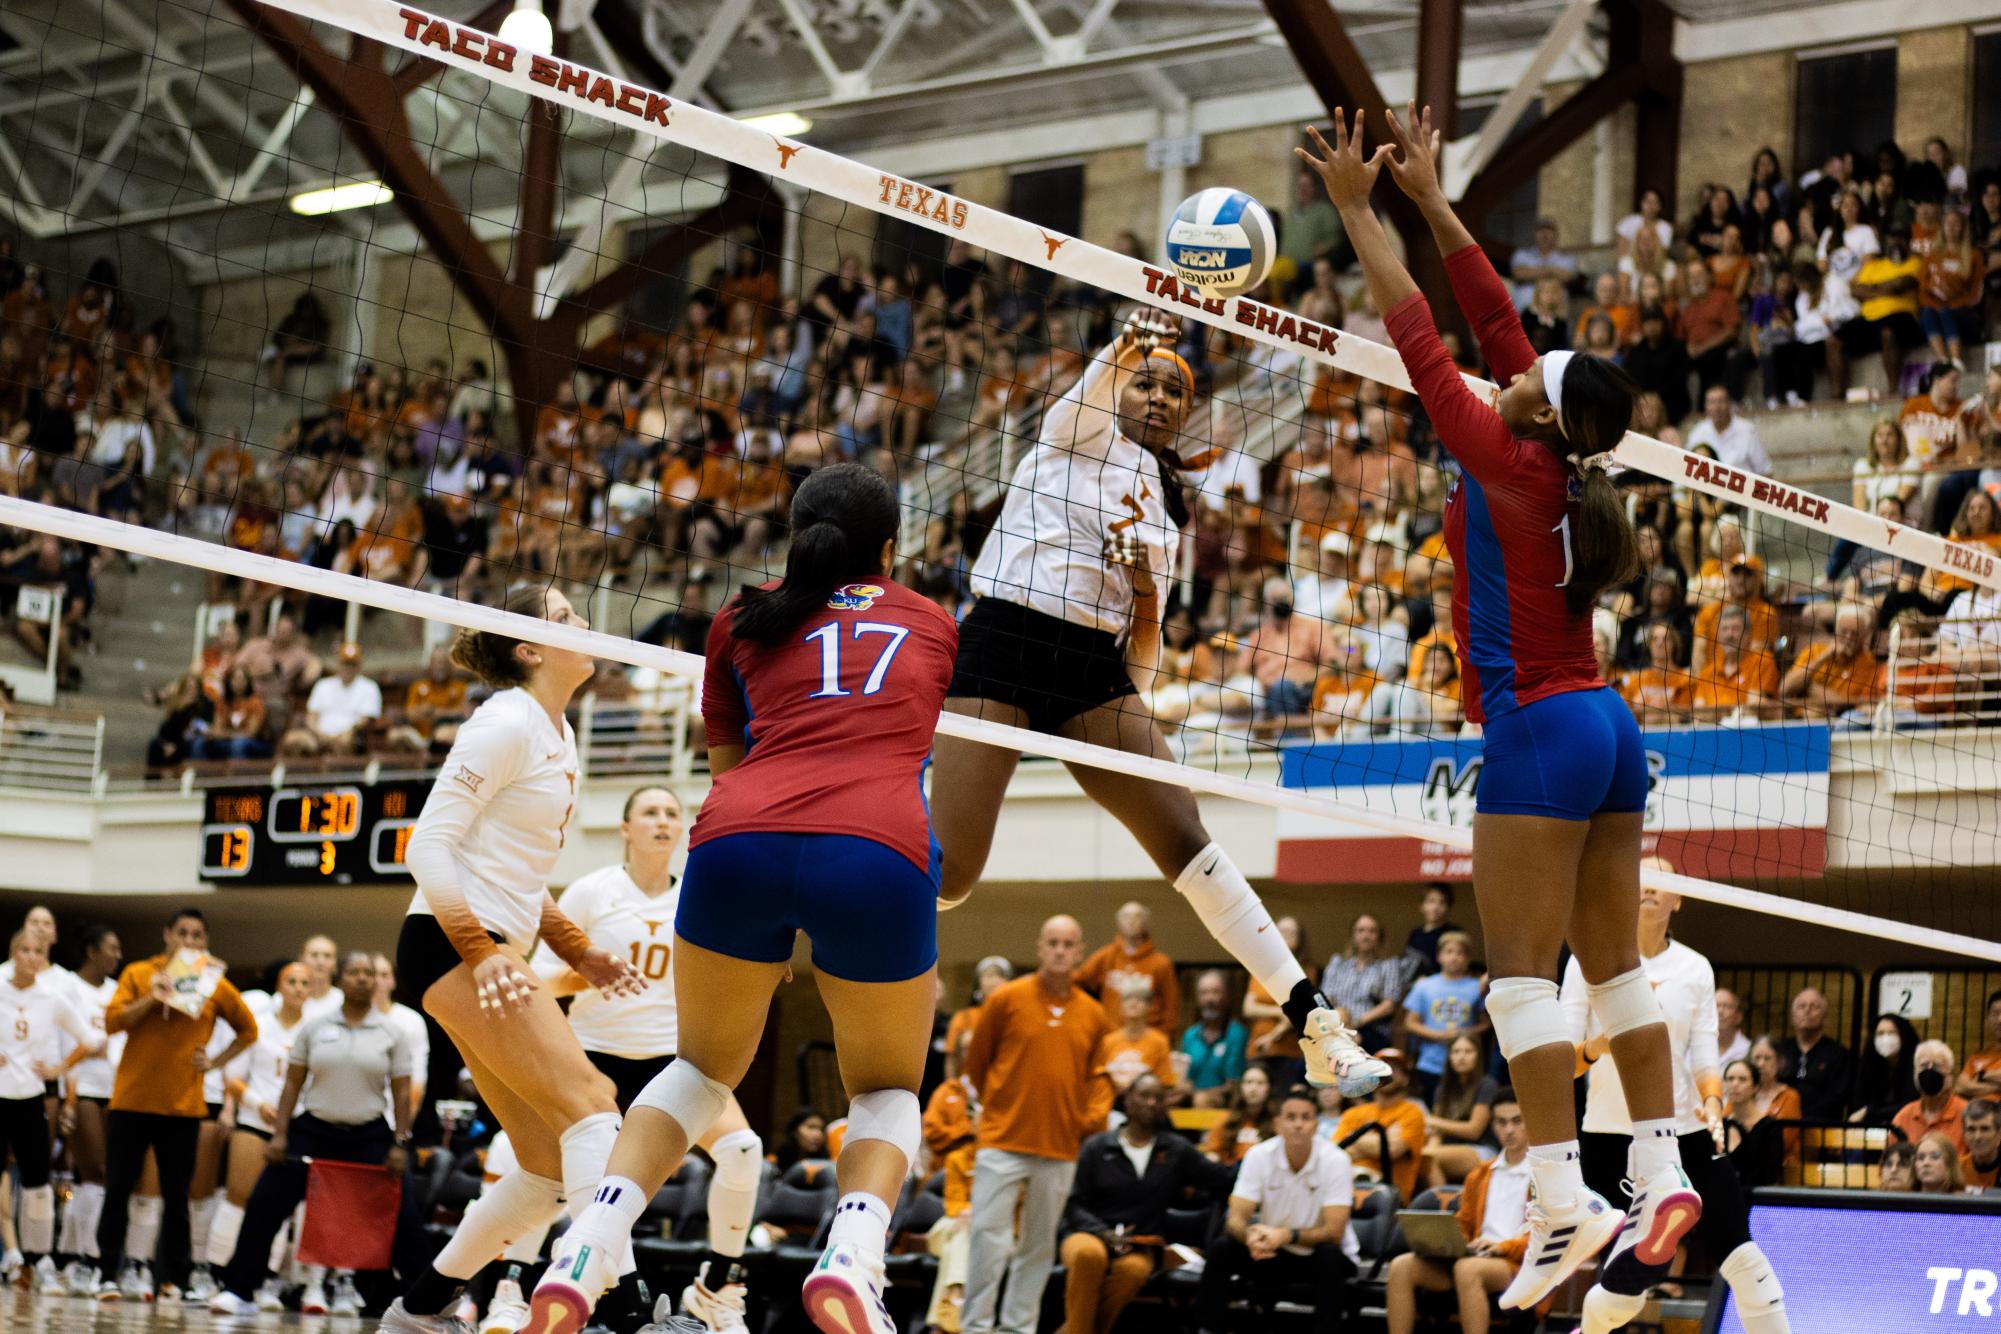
(841, 516)
(1598, 401)
(1173, 495)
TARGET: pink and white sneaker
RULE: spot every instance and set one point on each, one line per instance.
(1665, 1206)
(843, 1294)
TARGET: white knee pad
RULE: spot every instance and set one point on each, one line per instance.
(1625, 1003)
(686, 1094)
(890, 1115)
(1753, 1282)
(1526, 1015)
(739, 1159)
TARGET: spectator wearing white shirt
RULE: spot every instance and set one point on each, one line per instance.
(340, 706)
(1288, 1222)
(123, 428)
(1733, 437)
(1493, 1216)
(1969, 639)
(1731, 1042)
(1529, 265)
(1649, 215)
(1324, 594)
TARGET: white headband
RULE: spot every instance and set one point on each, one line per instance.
(1554, 364)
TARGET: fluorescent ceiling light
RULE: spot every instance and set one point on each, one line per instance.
(340, 198)
(784, 124)
(528, 28)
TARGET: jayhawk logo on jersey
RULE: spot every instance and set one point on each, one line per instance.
(855, 597)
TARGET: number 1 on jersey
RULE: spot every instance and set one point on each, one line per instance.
(829, 636)
(1563, 529)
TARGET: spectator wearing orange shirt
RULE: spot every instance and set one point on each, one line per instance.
(1285, 652)
(1031, 1061)
(1660, 692)
(1980, 1126)
(1709, 324)
(1982, 1076)
(1135, 1048)
(1832, 677)
(1936, 1109)
(988, 975)
(167, 1007)
(950, 1121)
(1492, 1216)
(1735, 678)
(1402, 1120)
(1132, 959)
(1745, 589)
(1606, 301)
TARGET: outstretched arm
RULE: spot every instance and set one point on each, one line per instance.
(1348, 177)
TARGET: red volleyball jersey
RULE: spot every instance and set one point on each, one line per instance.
(1509, 519)
(836, 722)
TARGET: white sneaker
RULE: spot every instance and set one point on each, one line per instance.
(346, 1301)
(80, 1278)
(47, 1277)
(1558, 1243)
(270, 1295)
(720, 1312)
(508, 1311)
(169, 1295)
(109, 1291)
(577, 1276)
(225, 1302)
(1665, 1206)
(843, 1294)
(201, 1284)
(313, 1301)
(666, 1322)
(396, 1320)
(13, 1267)
(136, 1283)
(1334, 1056)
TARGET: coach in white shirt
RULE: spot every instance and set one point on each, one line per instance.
(1288, 1221)
(1733, 437)
(338, 708)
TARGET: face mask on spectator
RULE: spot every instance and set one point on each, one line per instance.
(1931, 1082)
(1888, 1045)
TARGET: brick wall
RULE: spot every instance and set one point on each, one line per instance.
(1934, 87)
(1758, 92)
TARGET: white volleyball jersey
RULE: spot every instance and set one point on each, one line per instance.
(496, 819)
(93, 1075)
(1084, 484)
(261, 1066)
(31, 1019)
(618, 916)
(1685, 985)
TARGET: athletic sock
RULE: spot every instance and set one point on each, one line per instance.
(142, 1228)
(86, 1202)
(1558, 1173)
(733, 1191)
(1656, 1148)
(431, 1293)
(200, 1214)
(608, 1217)
(860, 1220)
(223, 1230)
(1236, 917)
(1302, 1002)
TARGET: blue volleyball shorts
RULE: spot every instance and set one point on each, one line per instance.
(1566, 757)
(871, 912)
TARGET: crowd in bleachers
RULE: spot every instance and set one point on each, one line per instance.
(1314, 585)
(1085, 1123)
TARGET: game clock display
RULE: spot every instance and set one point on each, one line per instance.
(309, 833)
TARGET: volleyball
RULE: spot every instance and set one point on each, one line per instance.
(1221, 242)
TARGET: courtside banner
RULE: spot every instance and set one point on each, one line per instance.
(1726, 802)
(579, 88)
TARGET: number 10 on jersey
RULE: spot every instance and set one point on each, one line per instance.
(829, 636)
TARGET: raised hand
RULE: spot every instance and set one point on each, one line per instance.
(1414, 166)
(1148, 327)
(1347, 175)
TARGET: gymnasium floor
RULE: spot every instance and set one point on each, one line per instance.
(26, 1312)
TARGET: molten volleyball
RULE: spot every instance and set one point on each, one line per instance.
(1220, 242)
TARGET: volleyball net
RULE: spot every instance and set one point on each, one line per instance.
(603, 358)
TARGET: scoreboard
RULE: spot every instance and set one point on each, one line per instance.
(309, 833)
